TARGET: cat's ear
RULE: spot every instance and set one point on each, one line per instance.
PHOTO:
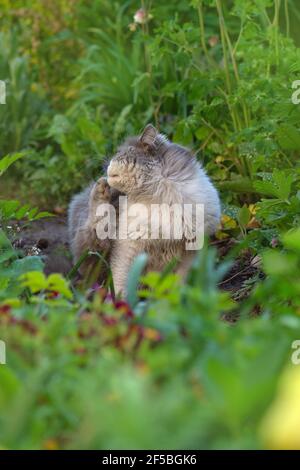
(149, 135)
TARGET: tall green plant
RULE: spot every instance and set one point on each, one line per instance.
(22, 116)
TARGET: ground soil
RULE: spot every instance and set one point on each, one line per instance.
(48, 238)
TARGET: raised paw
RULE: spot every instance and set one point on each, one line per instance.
(101, 191)
(100, 194)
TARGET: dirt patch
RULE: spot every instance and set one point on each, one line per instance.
(244, 268)
(47, 238)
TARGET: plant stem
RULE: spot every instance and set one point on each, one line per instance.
(202, 34)
(236, 74)
(287, 17)
(275, 26)
(148, 63)
(234, 114)
(223, 41)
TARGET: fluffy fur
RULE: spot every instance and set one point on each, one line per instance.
(148, 169)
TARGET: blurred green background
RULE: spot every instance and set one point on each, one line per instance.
(83, 370)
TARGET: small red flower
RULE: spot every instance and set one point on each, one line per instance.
(109, 320)
(28, 326)
(80, 351)
(274, 243)
(53, 295)
(124, 307)
(5, 309)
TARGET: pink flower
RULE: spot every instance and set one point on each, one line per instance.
(5, 309)
(140, 16)
(274, 243)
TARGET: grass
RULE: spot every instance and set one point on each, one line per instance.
(160, 369)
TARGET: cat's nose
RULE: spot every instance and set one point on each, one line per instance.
(112, 170)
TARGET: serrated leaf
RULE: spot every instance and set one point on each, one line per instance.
(288, 137)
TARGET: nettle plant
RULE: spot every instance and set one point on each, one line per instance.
(235, 69)
(12, 263)
(23, 114)
(13, 209)
(220, 78)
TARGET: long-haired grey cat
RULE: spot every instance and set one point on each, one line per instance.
(148, 169)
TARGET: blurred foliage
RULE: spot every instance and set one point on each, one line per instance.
(162, 371)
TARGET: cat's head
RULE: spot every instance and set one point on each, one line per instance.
(137, 165)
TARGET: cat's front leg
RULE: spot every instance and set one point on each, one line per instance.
(122, 257)
(100, 194)
(186, 264)
(86, 238)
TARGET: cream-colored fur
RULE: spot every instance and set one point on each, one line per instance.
(149, 170)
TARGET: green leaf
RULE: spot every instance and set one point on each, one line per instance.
(283, 183)
(121, 121)
(8, 160)
(57, 283)
(59, 128)
(4, 241)
(291, 240)
(278, 264)
(134, 277)
(279, 185)
(202, 133)
(29, 263)
(22, 212)
(32, 213)
(41, 215)
(8, 209)
(288, 137)
(244, 216)
(238, 185)
(35, 281)
(10, 385)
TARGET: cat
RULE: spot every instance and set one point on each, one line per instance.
(146, 170)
